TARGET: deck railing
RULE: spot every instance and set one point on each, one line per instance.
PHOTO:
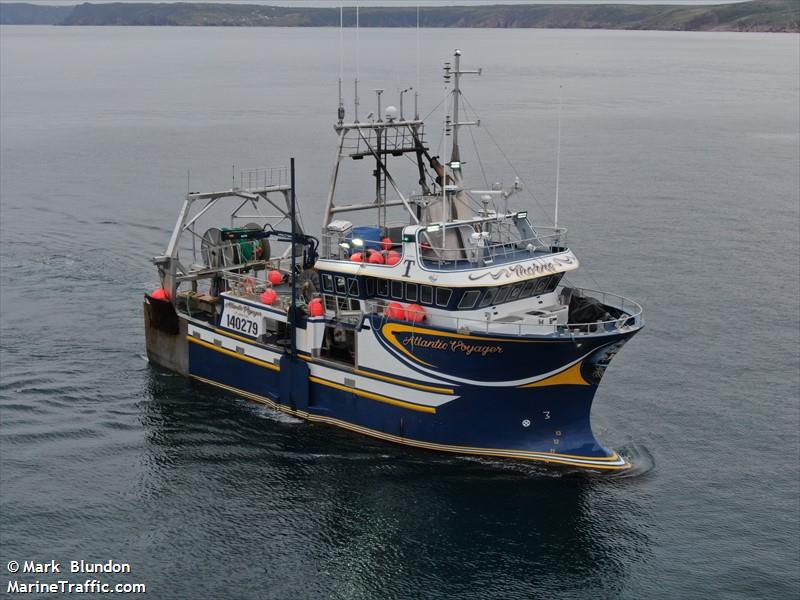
(630, 316)
(448, 257)
(483, 253)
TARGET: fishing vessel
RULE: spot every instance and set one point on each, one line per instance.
(439, 319)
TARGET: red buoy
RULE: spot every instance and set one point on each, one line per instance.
(376, 258)
(269, 296)
(386, 243)
(393, 257)
(315, 308)
(160, 294)
(275, 277)
(395, 310)
(415, 313)
(357, 257)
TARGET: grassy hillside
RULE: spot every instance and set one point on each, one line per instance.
(19, 13)
(757, 15)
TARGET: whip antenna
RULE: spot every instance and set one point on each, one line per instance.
(558, 153)
(416, 90)
(341, 62)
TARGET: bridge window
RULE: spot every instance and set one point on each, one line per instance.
(370, 287)
(531, 283)
(397, 290)
(468, 299)
(411, 292)
(352, 286)
(541, 285)
(426, 294)
(443, 296)
(488, 297)
(501, 295)
(340, 287)
(383, 288)
(327, 283)
(515, 292)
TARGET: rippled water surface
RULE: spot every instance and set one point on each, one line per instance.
(679, 183)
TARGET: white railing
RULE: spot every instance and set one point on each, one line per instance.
(481, 253)
(630, 317)
(259, 179)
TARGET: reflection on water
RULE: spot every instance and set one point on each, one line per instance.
(341, 509)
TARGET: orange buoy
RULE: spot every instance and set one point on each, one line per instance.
(376, 258)
(415, 313)
(275, 277)
(395, 310)
(386, 243)
(357, 257)
(269, 296)
(160, 294)
(393, 257)
(315, 308)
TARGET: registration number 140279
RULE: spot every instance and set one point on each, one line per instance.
(241, 324)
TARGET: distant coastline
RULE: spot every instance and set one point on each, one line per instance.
(756, 15)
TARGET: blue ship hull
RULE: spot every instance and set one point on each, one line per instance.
(546, 420)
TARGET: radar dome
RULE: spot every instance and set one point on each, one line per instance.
(391, 113)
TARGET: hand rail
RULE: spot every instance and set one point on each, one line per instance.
(630, 317)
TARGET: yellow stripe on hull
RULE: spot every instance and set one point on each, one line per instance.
(570, 376)
(373, 396)
(227, 352)
(561, 459)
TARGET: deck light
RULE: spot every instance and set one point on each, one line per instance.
(433, 228)
(357, 242)
(522, 215)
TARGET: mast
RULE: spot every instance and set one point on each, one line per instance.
(455, 155)
(293, 311)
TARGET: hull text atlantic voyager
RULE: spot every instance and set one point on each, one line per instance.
(438, 320)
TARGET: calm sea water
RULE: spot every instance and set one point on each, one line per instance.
(679, 181)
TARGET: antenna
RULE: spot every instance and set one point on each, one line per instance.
(358, 67)
(416, 90)
(558, 153)
(340, 112)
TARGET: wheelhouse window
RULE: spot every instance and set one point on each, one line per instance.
(443, 296)
(502, 294)
(370, 284)
(554, 281)
(488, 297)
(426, 294)
(383, 288)
(529, 285)
(397, 290)
(352, 287)
(468, 299)
(330, 303)
(515, 292)
(541, 285)
(340, 287)
(411, 292)
(327, 283)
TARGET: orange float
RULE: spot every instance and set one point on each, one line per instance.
(395, 310)
(275, 277)
(415, 313)
(269, 296)
(315, 308)
(393, 257)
